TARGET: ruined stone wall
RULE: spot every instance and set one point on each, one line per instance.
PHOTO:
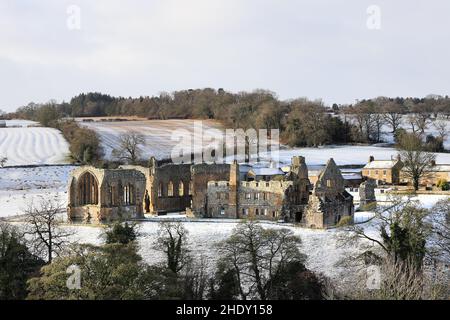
(218, 201)
(201, 174)
(175, 174)
(111, 205)
(261, 200)
(367, 192)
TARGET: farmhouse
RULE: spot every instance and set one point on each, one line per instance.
(209, 190)
(383, 171)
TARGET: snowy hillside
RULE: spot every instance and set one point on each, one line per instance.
(157, 133)
(32, 145)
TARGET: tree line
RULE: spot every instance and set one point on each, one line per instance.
(302, 122)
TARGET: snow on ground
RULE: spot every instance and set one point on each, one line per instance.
(32, 145)
(319, 245)
(15, 203)
(19, 187)
(157, 133)
(343, 155)
(426, 200)
(388, 136)
(20, 123)
(159, 144)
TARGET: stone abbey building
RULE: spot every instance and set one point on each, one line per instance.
(209, 191)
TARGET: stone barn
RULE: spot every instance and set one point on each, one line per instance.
(103, 195)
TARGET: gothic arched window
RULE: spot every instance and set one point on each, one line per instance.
(160, 190)
(88, 189)
(128, 194)
(170, 189)
(181, 189)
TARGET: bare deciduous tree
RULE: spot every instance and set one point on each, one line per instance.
(441, 229)
(417, 162)
(393, 115)
(441, 128)
(129, 148)
(43, 223)
(258, 256)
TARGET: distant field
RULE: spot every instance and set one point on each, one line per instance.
(157, 133)
(159, 143)
(24, 145)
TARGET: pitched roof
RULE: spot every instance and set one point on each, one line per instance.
(380, 164)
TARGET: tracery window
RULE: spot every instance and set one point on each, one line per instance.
(88, 189)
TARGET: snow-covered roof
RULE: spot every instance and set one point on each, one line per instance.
(441, 168)
(267, 171)
(244, 168)
(380, 164)
(351, 176)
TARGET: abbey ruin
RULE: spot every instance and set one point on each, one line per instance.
(210, 191)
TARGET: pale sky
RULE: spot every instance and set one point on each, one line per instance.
(315, 49)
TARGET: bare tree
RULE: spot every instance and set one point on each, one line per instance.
(416, 160)
(419, 122)
(258, 256)
(393, 115)
(172, 241)
(3, 161)
(441, 127)
(378, 121)
(44, 224)
(129, 147)
(441, 228)
(400, 254)
(398, 280)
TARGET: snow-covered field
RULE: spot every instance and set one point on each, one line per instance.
(19, 187)
(432, 128)
(344, 155)
(24, 145)
(157, 133)
(319, 245)
(21, 123)
(388, 136)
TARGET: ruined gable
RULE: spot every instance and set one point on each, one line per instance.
(330, 181)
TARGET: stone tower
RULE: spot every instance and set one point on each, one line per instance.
(234, 188)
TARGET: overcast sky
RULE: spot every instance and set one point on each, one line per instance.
(318, 48)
